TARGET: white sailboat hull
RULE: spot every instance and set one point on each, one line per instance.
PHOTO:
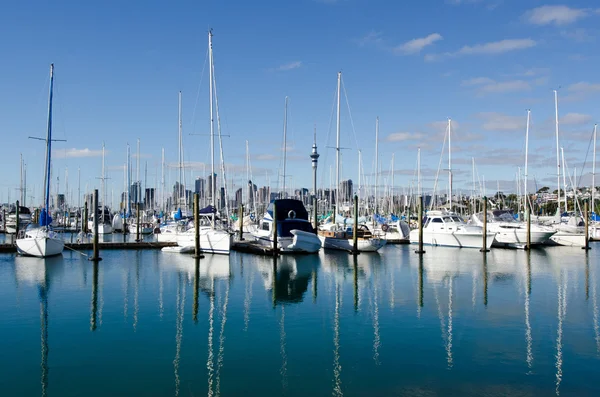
(103, 228)
(211, 241)
(40, 244)
(569, 239)
(301, 242)
(517, 237)
(452, 239)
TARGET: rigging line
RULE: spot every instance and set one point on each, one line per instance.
(350, 113)
(224, 178)
(198, 93)
(437, 175)
(323, 168)
(586, 156)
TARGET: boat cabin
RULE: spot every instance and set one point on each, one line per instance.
(442, 221)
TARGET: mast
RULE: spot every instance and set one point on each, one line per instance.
(102, 179)
(393, 185)
(419, 193)
(359, 177)
(128, 180)
(450, 162)
(137, 175)
(213, 187)
(284, 143)
(557, 151)
(376, 162)
(473, 188)
(564, 174)
(180, 151)
(78, 187)
(162, 182)
(337, 148)
(248, 182)
(526, 154)
(21, 183)
(48, 147)
(594, 173)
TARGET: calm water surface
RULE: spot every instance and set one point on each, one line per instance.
(155, 324)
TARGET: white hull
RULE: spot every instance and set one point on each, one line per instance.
(11, 227)
(518, 237)
(302, 242)
(167, 237)
(103, 228)
(452, 239)
(211, 241)
(363, 245)
(40, 244)
(569, 239)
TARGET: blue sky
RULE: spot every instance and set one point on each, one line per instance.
(119, 67)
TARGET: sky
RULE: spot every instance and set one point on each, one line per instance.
(120, 65)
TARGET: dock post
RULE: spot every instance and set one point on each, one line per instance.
(241, 217)
(484, 247)
(528, 217)
(274, 229)
(315, 214)
(355, 228)
(84, 222)
(586, 214)
(197, 252)
(420, 251)
(17, 220)
(137, 224)
(96, 254)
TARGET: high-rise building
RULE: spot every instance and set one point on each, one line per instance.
(346, 190)
(200, 186)
(238, 197)
(149, 198)
(209, 187)
(134, 193)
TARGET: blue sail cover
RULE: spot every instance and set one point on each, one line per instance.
(208, 210)
(45, 218)
(178, 215)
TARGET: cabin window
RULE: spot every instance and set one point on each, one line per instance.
(265, 226)
(437, 220)
(427, 220)
(456, 219)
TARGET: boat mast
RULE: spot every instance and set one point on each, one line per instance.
(128, 180)
(557, 151)
(250, 191)
(102, 179)
(48, 146)
(284, 143)
(473, 186)
(450, 162)
(393, 185)
(180, 150)
(337, 149)
(564, 174)
(594, 173)
(376, 162)
(137, 175)
(162, 182)
(419, 193)
(526, 154)
(359, 171)
(213, 187)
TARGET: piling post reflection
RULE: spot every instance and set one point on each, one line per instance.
(314, 282)
(420, 306)
(528, 337)
(221, 354)
(355, 263)
(196, 288)
(337, 367)
(274, 289)
(485, 281)
(595, 309)
(136, 303)
(94, 303)
(43, 294)
(587, 276)
(180, 306)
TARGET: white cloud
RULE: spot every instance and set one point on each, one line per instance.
(493, 121)
(371, 38)
(266, 157)
(404, 136)
(491, 48)
(415, 46)
(487, 85)
(288, 66)
(584, 87)
(75, 153)
(555, 15)
(576, 119)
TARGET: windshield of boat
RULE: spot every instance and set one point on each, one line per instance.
(502, 216)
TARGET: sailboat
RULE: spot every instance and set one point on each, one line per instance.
(42, 241)
(340, 237)
(104, 218)
(212, 240)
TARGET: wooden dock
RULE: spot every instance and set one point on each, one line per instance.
(11, 248)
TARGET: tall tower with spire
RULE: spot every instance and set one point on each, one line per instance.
(315, 159)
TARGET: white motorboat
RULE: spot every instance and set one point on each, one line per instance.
(448, 229)
(395, 232)
(509, 232)
(212, 241)
(339, 237)
(295, 233)
(24, 220)
(43, 242)
(168, 232)
(571, 233)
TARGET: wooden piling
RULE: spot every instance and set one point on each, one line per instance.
(17, 220)
(420, 251)
(275, 249)
(197, 251)
(241, 218)
(586, 214)
(124, 223)
(137, 229)
(355, 228)
(96, 253)
(484, 234)
(84, 221)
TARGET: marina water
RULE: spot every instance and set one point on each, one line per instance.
(454, 322)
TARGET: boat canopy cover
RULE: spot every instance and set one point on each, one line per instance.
(284, 206)
(45, 218)
(177, 215)
(208, 210)
(595, 217)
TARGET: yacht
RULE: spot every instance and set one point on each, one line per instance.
(24, 220)
(104, 221)
(511, 233)
(450, 230)
(212, 240)
(295, 233)
(340, 237)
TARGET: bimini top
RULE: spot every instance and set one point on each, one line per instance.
(285, 207)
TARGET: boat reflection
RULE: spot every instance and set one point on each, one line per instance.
(41, 272)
